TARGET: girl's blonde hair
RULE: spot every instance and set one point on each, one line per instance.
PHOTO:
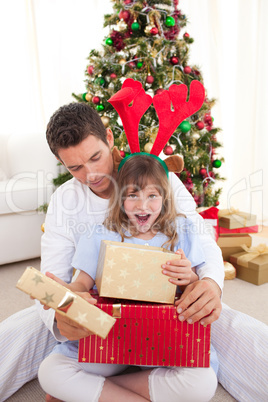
(139, 171)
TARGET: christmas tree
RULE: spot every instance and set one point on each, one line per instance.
(145, 43)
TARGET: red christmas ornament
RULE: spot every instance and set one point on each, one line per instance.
(113, 76)
(174, 60)
(186, 35)
(124, 14)
(208, 128)
(200, 125)
(90, 70)
(217, 203)
(149, 79)
(187, 70)
(127, 1)
(96, 100)
(168, 150)
(203, 172)
(154, 31)
(208, 119)
(122, 153)
(159, 91)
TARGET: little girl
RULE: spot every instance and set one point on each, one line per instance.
(141, 211)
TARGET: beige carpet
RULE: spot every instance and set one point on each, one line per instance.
(240, 295)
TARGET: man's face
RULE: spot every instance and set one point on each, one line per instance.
(91, 163)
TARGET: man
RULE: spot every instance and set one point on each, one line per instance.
(79, 140)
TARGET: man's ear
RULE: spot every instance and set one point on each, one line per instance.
(110, 137)
(116, 158)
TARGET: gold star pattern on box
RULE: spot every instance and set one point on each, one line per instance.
(134, 272)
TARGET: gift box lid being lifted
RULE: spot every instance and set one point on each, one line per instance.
(131, 271)
(147, 334)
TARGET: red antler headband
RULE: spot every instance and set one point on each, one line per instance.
(131, 102)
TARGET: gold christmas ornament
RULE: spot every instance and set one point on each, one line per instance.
(105, 120)
(43, 227)
(148, 147)
(121, 25)
(122, 62)
(89, 97)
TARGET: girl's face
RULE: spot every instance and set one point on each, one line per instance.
(142, 208)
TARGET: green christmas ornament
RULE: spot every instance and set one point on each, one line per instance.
(185, 126)
(170, 22)
(109, 42)
(216, 163)
(100, 108)
(135, 26)
(139, 64)
(84, 96)
(100, 81)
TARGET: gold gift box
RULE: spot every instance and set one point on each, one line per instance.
(134, 272)
(236, 219)
(254, 271)
(232, 244)
(65, 302)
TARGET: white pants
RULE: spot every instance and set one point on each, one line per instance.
(68, 380)
(24, 343)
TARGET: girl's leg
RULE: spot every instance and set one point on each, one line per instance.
(171, 384)
(67, 380)
(182, 384)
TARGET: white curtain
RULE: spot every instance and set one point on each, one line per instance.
(45, 44)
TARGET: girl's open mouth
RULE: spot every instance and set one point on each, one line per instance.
(142, 218)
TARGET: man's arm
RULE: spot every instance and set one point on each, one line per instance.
(57, 250)
(201, 298)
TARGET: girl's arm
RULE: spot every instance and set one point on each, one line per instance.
(83, 283)
(81, 286)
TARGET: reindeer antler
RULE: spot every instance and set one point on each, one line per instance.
(131, 102)
(169, 120)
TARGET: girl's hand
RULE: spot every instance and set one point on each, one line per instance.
(179, 271)
(71, 286)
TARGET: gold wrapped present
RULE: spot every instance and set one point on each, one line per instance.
(134, 272)
(229, 271)
(252, 264)
(232, 244)
(65, 302)
(234, 219)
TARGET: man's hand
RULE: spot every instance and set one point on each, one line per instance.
(67, 327)
(200, 302)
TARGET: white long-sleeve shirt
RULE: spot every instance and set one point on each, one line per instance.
(74, 209)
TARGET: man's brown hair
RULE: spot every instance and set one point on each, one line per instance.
(71, 124)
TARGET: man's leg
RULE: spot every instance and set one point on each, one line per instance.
(24, 342)
(241, 343)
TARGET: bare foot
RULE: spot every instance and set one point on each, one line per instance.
(50, 398)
